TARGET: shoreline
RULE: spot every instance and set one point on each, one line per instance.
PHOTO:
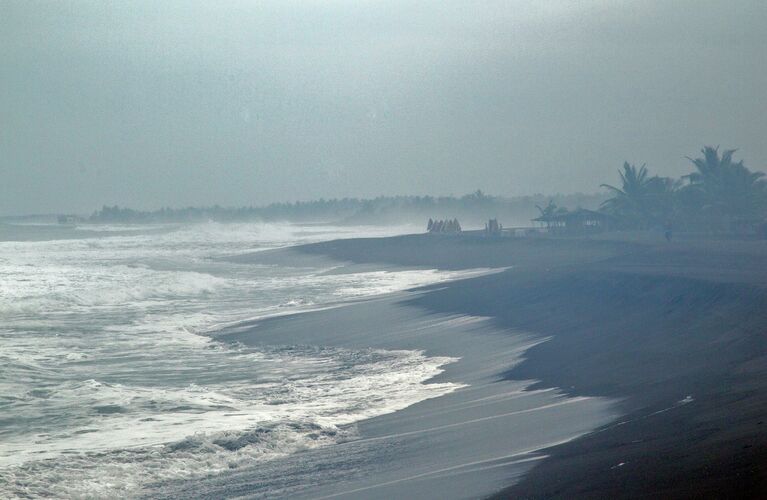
(676, 331)
(667, 337)
(445, 446)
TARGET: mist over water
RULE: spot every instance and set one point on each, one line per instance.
(111, 380)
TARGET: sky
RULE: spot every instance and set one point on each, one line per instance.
(151, 104)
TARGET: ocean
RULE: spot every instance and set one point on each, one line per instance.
(110, 376)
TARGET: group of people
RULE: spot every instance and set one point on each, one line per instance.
(492, 228)
(443, 226)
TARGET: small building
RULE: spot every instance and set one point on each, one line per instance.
(579, 221)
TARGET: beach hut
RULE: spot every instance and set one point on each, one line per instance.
(579, 221)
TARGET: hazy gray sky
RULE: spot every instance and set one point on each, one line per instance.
(157, 103)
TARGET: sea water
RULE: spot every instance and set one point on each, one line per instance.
(110, 379)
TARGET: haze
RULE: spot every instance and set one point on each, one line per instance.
(148, 104)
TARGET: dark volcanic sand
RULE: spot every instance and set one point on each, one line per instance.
(678, 331)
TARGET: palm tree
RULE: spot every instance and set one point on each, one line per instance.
(634, 183)
(723, 188)
(641, 200)
(551, 209)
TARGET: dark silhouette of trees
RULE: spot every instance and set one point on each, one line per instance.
(719, 195)
(475, 208)
(722, 190)
(550, 209)
(642, 201)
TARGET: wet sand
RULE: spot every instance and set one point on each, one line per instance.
(465, 444)
(665, 341)
(677, 332)
(461, 445)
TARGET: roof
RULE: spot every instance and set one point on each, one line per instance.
(577, 214)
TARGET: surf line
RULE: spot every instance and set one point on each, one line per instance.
(459, 466)
(472, 421)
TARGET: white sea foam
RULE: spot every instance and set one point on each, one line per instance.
(107, 373)
(218, 428)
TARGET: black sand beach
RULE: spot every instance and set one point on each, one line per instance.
(461, 445)
(673, 334)
(465, 444)
(677, 331)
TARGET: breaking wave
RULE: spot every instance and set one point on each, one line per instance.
(111, 381)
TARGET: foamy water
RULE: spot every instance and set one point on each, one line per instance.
(110, 381)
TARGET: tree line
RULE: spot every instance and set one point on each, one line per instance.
(719, 195)
(474, 208)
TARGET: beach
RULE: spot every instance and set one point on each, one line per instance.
(113, 384)
(375, 250)
(459, 445)
(666, 339)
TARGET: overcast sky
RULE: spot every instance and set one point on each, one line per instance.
(146, 104)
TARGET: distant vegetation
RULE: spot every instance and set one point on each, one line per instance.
(719, 195)
(475, 209)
